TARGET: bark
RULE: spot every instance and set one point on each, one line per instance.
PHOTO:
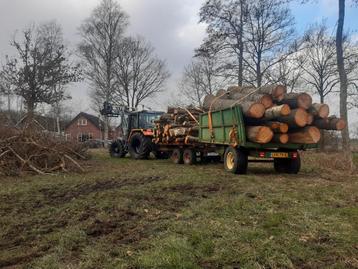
(277, 111)
(319, 110)
(331, 123)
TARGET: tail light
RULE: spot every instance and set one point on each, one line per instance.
(262, 154)
(294, 155)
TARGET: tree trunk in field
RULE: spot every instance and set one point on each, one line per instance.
(106, 131)
(331, 123)
(250, 109)
(307, 135)
(297, 118)
(277, 111)
(259, 134)
(297, 100)
(319, 110)
(342, 75)
(280, 138)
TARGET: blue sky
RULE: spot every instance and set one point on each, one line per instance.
(315, 11)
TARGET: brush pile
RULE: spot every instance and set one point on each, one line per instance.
(273, 115)
(178, 125)
(23, 151)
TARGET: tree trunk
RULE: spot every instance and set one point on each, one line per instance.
(277, 111)
(342, 75)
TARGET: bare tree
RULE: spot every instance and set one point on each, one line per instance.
(226, 25)
(200, 78)
(41, 64)
(101, 34)
(268, 38)
(140, 74)
(320, 66)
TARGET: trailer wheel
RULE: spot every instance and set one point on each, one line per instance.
(235, 160)
(140, 146)
(189, 157)
(177, 156)
(117, 150)
(289, 166)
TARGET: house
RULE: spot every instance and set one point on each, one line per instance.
(87, 127)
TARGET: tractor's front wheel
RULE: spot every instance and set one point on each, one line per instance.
(140, 146)
(117, 149)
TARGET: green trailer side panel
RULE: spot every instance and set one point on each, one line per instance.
(231, 119)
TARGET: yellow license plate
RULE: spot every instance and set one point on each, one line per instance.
(279, 155)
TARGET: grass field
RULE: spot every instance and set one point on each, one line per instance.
(154, 214)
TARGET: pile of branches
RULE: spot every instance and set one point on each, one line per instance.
(273, 115)
(23, 151)
(178, 125)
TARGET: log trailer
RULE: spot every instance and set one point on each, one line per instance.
(221, 133)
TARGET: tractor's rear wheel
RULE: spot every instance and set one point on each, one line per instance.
(117, 149)
(235, 160)
(140, 146)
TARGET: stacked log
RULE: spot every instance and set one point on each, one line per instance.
(178, 125)
(273, 115)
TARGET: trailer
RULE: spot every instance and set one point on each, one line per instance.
(223, 133)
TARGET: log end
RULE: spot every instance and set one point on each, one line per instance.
(301, 117)
(341, 124)
(323, 111)
(279, 91)
(283, 128)
(314, 133)
(304, 100)
(256, 110)
(267, 101)
(285, 110)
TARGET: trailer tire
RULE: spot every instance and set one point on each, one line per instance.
(177, 156)
(189, 157)
(235, 160)
(117, 149)
(288, 166)
(140, 146)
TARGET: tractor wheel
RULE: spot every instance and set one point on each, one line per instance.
(140, 146)
(288, 166)
(235, 160)
(189, 157)
(117, 150)
(177, 156)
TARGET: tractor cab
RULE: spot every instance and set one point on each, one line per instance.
(140, 120)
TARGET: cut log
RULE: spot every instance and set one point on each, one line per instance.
(264, 99)
(297, 118)
(331, 123)
(259, 134)
(250, 109)
(280, 138)
(277, 111)
(319, 110)
(191, 139)
(277, 127)
(307, 135)
(276, 91)
(222, 94)
(297, 100)
(179, 131)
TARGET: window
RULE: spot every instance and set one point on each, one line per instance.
(82, 122)
(83, 137)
